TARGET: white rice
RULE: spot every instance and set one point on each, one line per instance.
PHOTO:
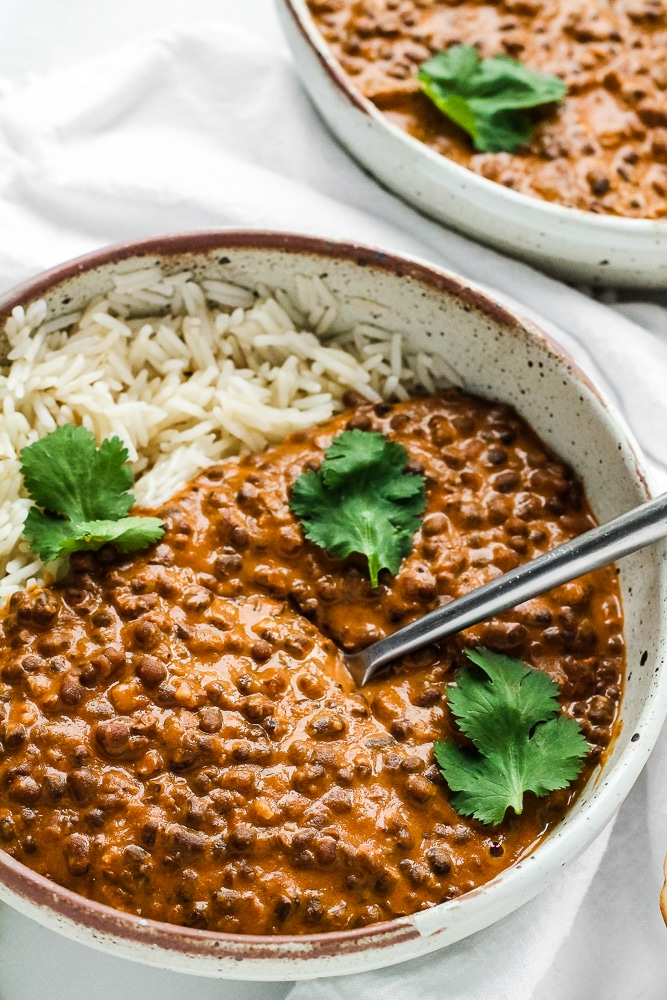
(187, 375)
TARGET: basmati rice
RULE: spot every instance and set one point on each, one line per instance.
(227, 370)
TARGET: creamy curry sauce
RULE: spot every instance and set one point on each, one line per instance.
(180, 740)
(603, 150)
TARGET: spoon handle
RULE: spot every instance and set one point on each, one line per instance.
(598, 547)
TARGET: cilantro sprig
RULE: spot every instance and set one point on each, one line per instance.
(362, 500)
(83, 493)
(522, 740)
(487, 97)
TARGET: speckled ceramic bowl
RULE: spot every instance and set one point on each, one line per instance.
(577, 245)
(500, 355)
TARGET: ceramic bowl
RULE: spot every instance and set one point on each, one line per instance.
(576, 245)
(500, 355)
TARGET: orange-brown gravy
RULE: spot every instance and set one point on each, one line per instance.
(180, 740)
(603, 150)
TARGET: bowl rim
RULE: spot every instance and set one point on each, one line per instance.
(605, 223)
(35, 894)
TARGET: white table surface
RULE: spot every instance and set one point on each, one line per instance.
(37, 36)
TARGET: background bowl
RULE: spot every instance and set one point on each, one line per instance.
(499, 355)
(577, 245)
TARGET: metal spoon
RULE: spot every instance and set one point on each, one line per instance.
(598, 547)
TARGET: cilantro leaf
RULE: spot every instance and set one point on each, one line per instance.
(521, 741)
(83, 491)
(47, 534)
(65, 472)
(362, 500)
(487, 97)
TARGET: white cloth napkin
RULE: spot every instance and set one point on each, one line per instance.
(208, 127)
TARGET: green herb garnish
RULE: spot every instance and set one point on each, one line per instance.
(522, 741)
(487, 97)
(83, 493)
(362, 500)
